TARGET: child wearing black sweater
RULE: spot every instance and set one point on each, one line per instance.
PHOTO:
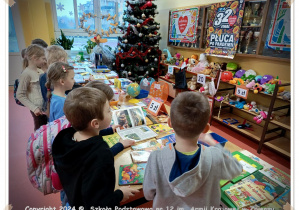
(83, 161)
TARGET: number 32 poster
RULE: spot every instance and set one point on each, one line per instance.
(224, 28)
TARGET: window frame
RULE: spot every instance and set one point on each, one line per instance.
(78, 31)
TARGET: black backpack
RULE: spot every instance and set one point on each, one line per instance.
(15, 89)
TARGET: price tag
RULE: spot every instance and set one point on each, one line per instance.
(154, 107)
(201, 78)
(157, 86)
(170, 69)
(241, 91)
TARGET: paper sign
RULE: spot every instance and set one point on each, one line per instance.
(201, 78)
(157, 86)
(154, 107)
(117, 83)
(241, 91)
(170, 69)
(145, 82)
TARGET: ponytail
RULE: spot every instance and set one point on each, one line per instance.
(49, 96)
(25, 62)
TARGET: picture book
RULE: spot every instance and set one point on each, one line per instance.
(140, 156)
(131, 174)
(256, 159)
(249, 166)
(284, 198)
(161, 128)
(223, 182)
(266, 183)
(111, 139)
(133, 124)
(224, 197)
(273, 205)
(244, 195)
(149, 145)
(278, 176)
(168, 139)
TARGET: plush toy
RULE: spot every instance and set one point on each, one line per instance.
(266, 79)
(231, 66)
(235, 81)
(240, 104)
(226, 76)
(250, 85)
(215, 67)
(204, 89)
(202, 65)
(286, 95)
(164, 57)
(192, 62)
(258, 79)
(248, 73)
(178, 58)
(168, 57)
(257, 88)
(253, 107)
(260, 117)
(275, 81)
(246, 106)
(270, 88)
(239, 73)
(192, 84)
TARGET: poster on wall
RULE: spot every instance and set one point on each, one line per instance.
(183, 25)
(279, 36)
(224, 28)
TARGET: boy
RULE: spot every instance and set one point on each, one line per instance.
(82, 159)
(187, 174)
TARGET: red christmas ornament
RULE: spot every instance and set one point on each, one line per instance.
(133, 52)
(139, 44)
(155, 32)
(149, 3)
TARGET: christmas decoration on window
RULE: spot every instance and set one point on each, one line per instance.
(137, 51)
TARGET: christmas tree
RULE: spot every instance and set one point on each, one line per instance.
(137, 54)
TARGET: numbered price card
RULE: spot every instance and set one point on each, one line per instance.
(170, 70)
(154, 107)
(201, 78)
(241, 91)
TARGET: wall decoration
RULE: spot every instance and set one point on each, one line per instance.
(224, 28)
(183, 25)
(279, 37)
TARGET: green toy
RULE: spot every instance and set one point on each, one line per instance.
(231, 66)
(250, 77)
(270, 88)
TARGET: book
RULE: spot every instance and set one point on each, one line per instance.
(244, 195)
(278, 176)
(266, 183)
(140, 156)
(131, 174)
(256, 159)
(133, 124)
(111, 139)
(150, 145)
(168, 139)
(161, 128)
(284, 198)
(223, 182)
(249, 166)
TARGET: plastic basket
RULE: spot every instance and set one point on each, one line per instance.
(142, 94)
(218, 138)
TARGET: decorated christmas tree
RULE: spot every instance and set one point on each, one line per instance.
(137, 54)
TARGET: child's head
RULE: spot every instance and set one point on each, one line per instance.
(39, 42)
(87, 108)
(103, 87)
(189, 114)
(35, 54)
(55, 53)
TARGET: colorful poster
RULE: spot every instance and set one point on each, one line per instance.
(279, 37)
(224, 28)
(183, 25)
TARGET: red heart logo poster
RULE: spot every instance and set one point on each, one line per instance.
(183, 22)
(232, 20)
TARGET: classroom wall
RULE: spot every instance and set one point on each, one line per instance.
(261, 65)
(36, 17)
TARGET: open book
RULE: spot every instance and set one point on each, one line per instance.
(133, 124)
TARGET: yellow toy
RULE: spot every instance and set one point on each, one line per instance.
(235, 81)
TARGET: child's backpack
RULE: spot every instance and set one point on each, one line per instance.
(15, 88)
(40, 165)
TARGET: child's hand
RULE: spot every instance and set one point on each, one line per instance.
(114, 127)
(38, 112)
(208, 139)
(128, 192)
(127, 142)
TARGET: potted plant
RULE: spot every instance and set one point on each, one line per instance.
(66, 43)
(89, 46)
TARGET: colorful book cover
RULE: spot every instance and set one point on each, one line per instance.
(284, 198)
(111, 139)
(224, 197)
(140, 156)
(243, 196)
(161, 128)
(256, 159)
(131, 174)
(273, 205)
(150, 145)
(223, 182)
(266, 183)
(249, 166)
(168, 139)
(278, 176)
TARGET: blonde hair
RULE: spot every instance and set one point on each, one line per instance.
(56, 71)
(31, 51)
(84, 104)
(54, 54)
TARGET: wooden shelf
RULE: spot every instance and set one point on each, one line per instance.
(282, 145)
(167, 80)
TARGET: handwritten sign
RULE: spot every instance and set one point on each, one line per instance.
(154, 107)
(241, 91)
(201, 78)
(157, 86)
(170, 69)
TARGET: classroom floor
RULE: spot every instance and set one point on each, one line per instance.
(22, 193)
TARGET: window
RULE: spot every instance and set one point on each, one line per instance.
(13, 41)
(67, 15)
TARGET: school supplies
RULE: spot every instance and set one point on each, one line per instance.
(131, 174)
